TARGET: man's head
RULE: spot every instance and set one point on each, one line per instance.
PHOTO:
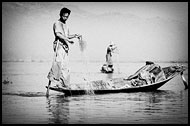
(111, 43)
(64, 13)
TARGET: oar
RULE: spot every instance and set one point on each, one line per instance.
(184, 81)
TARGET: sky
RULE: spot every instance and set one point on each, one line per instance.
(156, 31)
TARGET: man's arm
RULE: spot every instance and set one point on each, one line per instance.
(58, 33)
(114, 49)
(63, 38)
(73, 35)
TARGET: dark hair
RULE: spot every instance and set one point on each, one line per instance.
(64, 10)
(149, 62)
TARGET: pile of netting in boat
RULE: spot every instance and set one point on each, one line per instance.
(148, 74)
(111, 84)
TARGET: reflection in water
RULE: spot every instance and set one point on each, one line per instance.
(25, 94)
(163, 107)
(158, 107)
(24, 100)
(109, 76)
(59, 108)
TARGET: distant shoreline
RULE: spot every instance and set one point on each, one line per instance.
(92, 61)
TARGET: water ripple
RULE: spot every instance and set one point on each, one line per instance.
(25, 94)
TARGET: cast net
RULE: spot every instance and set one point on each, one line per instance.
(83, 48)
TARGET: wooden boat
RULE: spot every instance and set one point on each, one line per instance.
(117, 85)
(106, 69)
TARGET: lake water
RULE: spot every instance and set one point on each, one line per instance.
(24, 100)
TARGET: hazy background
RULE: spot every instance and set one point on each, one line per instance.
(155, 31)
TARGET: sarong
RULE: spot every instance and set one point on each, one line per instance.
(59, 71)
(109, 59)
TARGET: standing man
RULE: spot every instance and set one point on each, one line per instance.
(59, 72)
(108, 67)
(110, 50)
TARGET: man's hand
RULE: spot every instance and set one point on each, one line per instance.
(78, 36)
(71, 42)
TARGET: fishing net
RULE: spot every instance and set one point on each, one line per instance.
(87, 85)
(88, 88)
(82, 44)
(103, 85)
(117, 61)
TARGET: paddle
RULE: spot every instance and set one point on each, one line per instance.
(184, 81)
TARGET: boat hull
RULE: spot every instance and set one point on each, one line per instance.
(125, 88)
(106, 91)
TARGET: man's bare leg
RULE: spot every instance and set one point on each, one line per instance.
(47, 92)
